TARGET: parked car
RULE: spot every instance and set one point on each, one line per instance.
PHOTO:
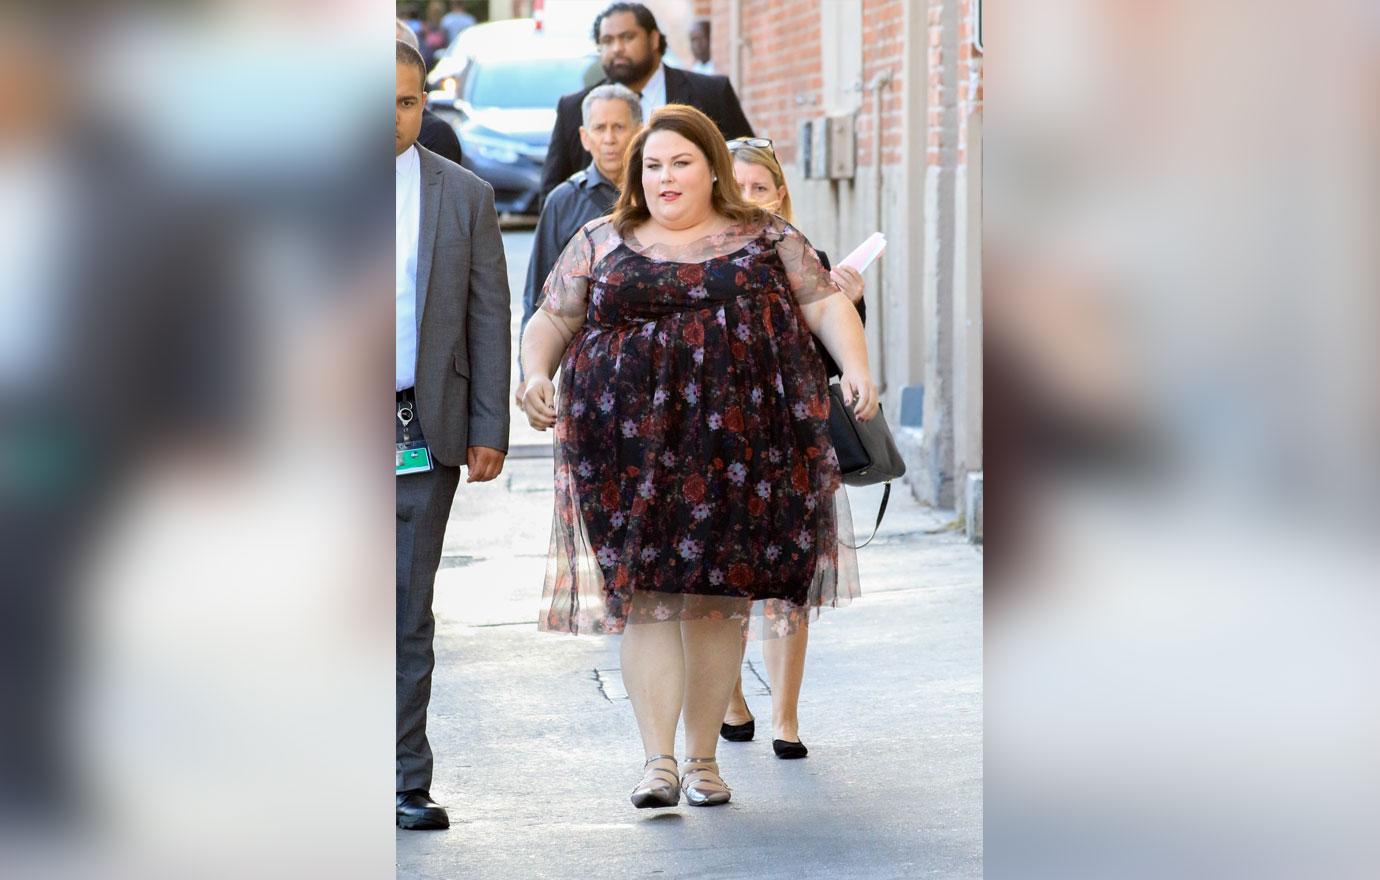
(498, 84)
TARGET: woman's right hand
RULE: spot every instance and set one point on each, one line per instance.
(539, 402)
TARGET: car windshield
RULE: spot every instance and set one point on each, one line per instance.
(532, 82)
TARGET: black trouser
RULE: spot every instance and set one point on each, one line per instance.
(423, 507)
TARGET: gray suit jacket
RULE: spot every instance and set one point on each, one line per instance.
(464, 344)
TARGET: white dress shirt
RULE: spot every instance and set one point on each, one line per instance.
(654, 92)
(408, 216)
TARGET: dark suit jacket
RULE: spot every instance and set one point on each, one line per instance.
(713, 95)
(464, 345)
(438, 136)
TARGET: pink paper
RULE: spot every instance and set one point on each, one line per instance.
(863, 255)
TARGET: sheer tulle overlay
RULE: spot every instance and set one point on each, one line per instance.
(694, 472)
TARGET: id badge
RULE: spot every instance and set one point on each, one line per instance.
(413, 458)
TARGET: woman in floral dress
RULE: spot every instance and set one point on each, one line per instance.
(694, 472)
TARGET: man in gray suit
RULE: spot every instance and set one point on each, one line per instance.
(453, 352)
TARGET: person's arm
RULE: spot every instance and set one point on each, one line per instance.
(559, 163)
(835, 321)
(543, 345)
(562, 314)
(546, 247)
(832, 317)
(439, 137)
(849, 280)
(488, 317)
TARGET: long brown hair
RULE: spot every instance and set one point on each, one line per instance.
(700, 130)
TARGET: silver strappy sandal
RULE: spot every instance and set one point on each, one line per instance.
(659, 793)
(701, 791)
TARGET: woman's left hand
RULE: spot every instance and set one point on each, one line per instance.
(861, 392)
(849, 280)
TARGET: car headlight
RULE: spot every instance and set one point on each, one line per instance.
(493, 149)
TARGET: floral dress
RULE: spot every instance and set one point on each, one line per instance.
(694, 471)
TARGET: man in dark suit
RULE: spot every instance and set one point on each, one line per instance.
(630, 50)
(453, 351)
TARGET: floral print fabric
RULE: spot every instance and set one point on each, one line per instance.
(694, 472)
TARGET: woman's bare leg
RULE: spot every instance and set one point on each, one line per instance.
(713, 655)
(785, 659)
(653, 663)
(738, 711)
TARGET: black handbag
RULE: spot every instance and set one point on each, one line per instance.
(866, 451)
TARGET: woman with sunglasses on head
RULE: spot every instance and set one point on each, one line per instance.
(761, 182)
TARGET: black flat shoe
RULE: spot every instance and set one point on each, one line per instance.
(417, 812)
(739, 733)
(787, 750)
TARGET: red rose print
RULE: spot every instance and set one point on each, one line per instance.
(800, 480)
(610, 495)
(693, 333)
(691, 273)
(739, 575)
(757, 505)
(740, 279)
(694, 488)
(639, 506)
(733, 419)
(739, 350)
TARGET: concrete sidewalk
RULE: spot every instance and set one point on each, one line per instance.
(536, 747)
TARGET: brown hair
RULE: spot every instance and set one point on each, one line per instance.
(700, 130)
(764, 156)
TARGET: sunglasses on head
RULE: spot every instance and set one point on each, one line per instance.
(764, 143)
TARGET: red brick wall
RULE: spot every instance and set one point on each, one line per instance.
(964, 98)
(969, 79)
(781, 82)
(884, 44)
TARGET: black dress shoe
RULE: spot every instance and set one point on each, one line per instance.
(786, 750)
(739, 733)
(417, 812)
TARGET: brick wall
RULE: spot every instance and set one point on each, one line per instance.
(969, 79)
(952, 104)
(883, 49)
(781, 82)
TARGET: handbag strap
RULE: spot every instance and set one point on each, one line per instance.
(881, 511)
